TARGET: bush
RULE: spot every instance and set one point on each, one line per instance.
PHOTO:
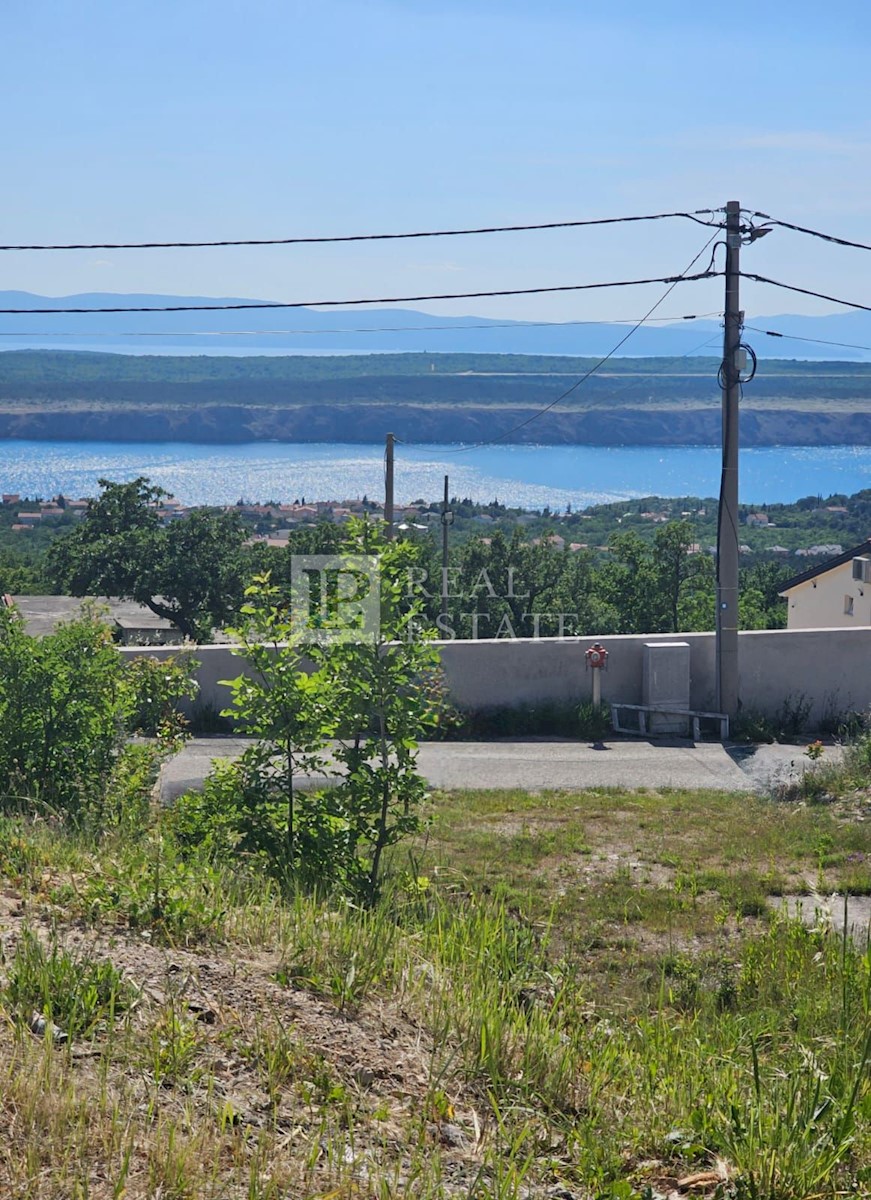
(63, 708)
(67, 704)
(159, 687)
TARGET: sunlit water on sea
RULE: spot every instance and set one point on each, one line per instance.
(525, 476)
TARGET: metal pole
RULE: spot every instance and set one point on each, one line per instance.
(388, 486)
(727, 524)
(445, 506)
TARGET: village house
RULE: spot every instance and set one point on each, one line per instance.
(835, 594)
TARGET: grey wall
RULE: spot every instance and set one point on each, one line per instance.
(830, 667)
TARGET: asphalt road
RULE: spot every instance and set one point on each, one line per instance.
(534, 764)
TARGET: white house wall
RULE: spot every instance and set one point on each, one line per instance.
(820, 602)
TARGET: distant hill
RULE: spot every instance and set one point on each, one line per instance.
(50, 394)
(389, 330)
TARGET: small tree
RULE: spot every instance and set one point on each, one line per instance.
(381, 695)
(370, 699)
(285, 707)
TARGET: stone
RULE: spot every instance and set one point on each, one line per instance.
(452, 1135)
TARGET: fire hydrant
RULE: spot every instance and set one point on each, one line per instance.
(597, 662)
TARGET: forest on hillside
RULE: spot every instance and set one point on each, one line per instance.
(422, 398)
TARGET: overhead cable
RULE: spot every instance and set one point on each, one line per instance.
(794, 337)
(537, 291)
(826, 237)
(695, 215)
(791, 287)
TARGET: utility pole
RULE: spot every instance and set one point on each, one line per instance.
(727, 524)
(447, 518)
(388, 486)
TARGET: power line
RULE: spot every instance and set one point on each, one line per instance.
(370, 237)
(790, 287)
(817, 341)
(826, 237)
(537, 291)
(361, 328)
(587, 374)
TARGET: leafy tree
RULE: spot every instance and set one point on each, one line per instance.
(673, 568)
(369, 699)
(286, 709)
(629, 583)
(381, 694)
(189, 572)
(22, 575)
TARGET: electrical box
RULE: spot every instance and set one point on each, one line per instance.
(862, 569)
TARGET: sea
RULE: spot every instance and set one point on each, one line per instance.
(519, 476)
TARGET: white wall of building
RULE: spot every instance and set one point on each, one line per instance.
(833, 599)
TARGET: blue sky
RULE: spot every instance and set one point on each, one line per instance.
(192, 119)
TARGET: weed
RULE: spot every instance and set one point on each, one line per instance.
(594, 721)
(503, 721)
(345, 959)
(751, 725)
(76, 993)
(792, 717)
(786, 724)
(173, 1047)
(148, 886)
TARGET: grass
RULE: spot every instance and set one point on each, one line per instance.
(581, 994)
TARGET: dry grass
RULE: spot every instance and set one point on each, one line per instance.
(583, 1000)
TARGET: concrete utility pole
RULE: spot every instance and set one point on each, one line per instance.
(727, 525)
(388, 486)
(447, 518)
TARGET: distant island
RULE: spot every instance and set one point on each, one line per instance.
(424, 398)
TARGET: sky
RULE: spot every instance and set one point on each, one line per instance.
(209, 119)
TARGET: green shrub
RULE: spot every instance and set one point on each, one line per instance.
(63, 708)
(374, 696)
(239, 815)
(159, 687)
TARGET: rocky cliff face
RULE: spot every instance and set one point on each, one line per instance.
(367, 423)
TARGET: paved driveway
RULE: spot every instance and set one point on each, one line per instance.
(536, 764)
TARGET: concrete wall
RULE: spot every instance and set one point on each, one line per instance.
(821, 602)
(830, 667)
